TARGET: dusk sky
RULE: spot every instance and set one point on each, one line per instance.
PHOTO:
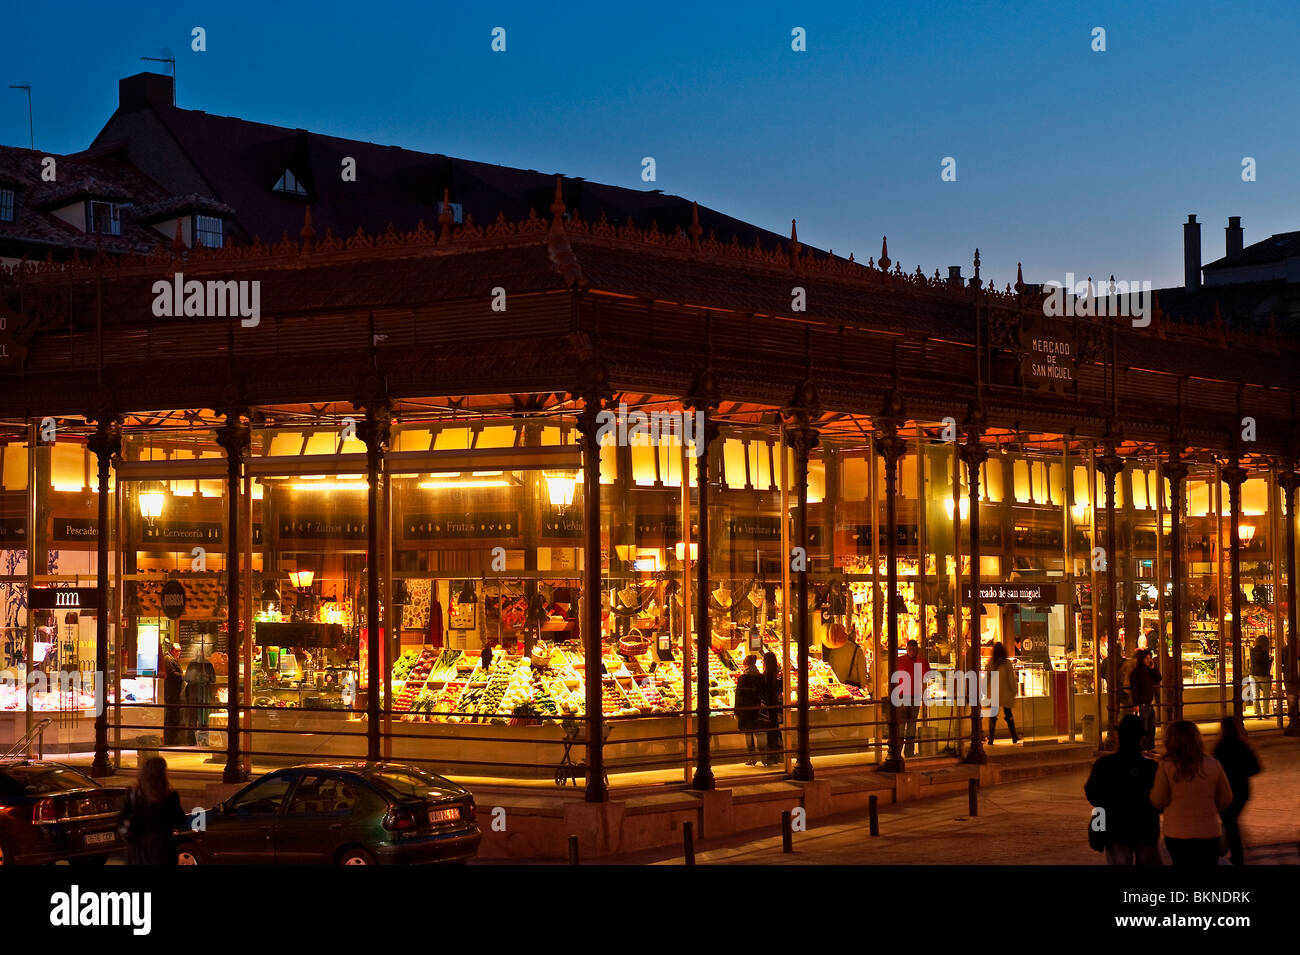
(1066, 159)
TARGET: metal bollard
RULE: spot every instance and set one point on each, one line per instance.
(573, 850)
(873, 814)
(688, 842)
(972, 796)
(787, 833)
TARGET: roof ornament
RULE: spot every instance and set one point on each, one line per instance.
(976, 281)
(557, 205)
(1020, 281)
(694, 230)
(884, 253)
(795, 246)
(307, 233)
(445, 217)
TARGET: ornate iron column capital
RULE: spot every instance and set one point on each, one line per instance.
(105, 441)
(800, 418)
(1232, 473)
(233, 434)
(1175, 467)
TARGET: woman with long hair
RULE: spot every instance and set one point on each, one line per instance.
(150, 817)
(1239, 762)
(1191, 789)
(1002, 689)
(772, 697)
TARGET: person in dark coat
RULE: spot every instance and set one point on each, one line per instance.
(1239, 762)
(748, 708)
(1261, 674)
(150, 817)
(1143, 683)
(772, 699)
(1120, 786)
(173, 718)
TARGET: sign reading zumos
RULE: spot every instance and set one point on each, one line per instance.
(1050, 356)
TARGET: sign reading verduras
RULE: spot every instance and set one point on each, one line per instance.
(1013, 593)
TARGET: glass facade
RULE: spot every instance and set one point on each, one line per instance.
(481, 557)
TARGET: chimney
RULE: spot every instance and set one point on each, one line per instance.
(144, 90)
(954, 274)
(1192, 253)
(1236, 236)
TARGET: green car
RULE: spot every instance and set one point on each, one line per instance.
(337, 814)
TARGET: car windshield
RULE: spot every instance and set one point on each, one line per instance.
(39, 780)
(407, 782)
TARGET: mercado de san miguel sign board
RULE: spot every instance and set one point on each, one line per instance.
(1013, 593)
(1049, 357)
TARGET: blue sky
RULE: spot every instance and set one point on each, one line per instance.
(1067, 159)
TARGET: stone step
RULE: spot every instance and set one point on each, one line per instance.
(1038, 769)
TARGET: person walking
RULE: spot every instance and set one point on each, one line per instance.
(1002, 689)
(1120, 787)
(1261, 675)
(150, 816)
(173, 684)
(1143, 682)
(911, 671)
(772, 699)
(1192, 789)
(1239, 762)
(749, 703)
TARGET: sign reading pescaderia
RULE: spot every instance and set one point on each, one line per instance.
(1050, 356)
(1013, 593)
(75, 529)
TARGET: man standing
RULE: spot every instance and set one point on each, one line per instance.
(172, 684)
(912, 668)
(1127, 825)
(1143, 682)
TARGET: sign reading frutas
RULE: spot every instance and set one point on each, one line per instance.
(1050, 356)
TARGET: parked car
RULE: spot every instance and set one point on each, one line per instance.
(337, 813)
(50, 812)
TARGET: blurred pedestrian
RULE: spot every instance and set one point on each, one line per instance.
(1143, 682)
(1120, 786)
(748, 708)
(150, 817)
(1261, 675)
(773, 700)
(1192, 789)
(1003, 687)
(910, 674)
(1239, 762)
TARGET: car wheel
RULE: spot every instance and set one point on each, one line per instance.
(356, 856)
(6, 857)
(189, 854)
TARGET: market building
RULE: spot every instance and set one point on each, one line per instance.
(587, 441)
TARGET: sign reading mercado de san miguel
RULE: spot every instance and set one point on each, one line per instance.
(1049, 356)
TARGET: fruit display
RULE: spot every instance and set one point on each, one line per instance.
(415, 680)
(402, 668)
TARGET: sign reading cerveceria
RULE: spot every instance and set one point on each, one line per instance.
(211, 299)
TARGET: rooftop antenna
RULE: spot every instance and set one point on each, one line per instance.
(165, 56)
(31, 129)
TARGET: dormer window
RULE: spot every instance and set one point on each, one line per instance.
(103, 218)
(6, 205)
(209, 231)
(289, 185)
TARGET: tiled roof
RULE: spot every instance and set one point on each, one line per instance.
(1276, 248)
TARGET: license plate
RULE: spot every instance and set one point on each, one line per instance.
(443, 815)
(100, 838)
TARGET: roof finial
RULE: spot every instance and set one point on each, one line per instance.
(976, 281)
(694, 230)
(446, 217)
(557, 205)
(308, 233)
(884, 253)
(1020, 280)
(795, 245)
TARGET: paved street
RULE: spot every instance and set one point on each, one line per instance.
(1037, 822)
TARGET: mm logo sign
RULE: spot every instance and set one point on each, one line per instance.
(61, 598)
